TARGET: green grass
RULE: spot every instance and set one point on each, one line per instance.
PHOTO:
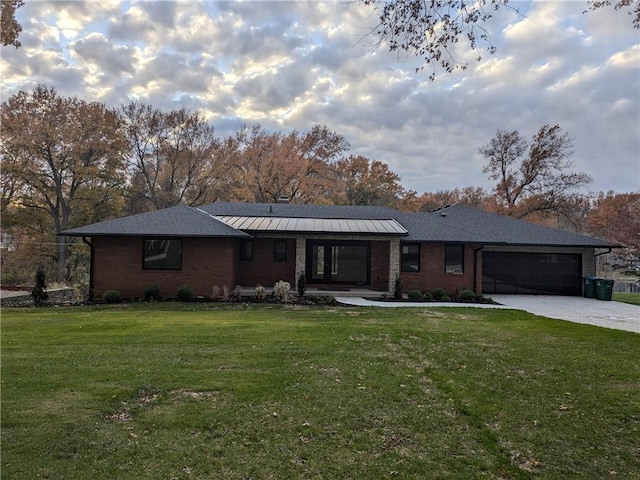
(632, 298)
(174, 391)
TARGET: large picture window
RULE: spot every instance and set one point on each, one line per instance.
(410, 257)
(162, 254)
(454, 259)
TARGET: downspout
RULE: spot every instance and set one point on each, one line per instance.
(91, 261)
(475, 269)
(604, 253)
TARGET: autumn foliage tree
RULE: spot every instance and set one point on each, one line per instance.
(9, 27)
(616, 217)
(173, 158)
(62, 157)
(366, 182)
(296, 165)
(532, 177)
(475, 197)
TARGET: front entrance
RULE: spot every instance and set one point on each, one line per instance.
(335, 262)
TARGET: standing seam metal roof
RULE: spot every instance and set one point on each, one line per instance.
(316, 225)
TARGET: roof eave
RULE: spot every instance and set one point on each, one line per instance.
(240, 234)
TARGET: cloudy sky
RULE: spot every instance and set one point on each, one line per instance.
(290, 65)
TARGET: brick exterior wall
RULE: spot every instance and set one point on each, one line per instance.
(380, 265)
(432, 271)
(205, 262)
(263, 269)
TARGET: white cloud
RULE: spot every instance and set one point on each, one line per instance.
(290, 65)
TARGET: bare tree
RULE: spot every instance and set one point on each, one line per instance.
(633, 6)
(430, 29)
(537, 182)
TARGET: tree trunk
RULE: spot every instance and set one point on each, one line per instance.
(61, 260)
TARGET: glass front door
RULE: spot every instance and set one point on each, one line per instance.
(338, 262)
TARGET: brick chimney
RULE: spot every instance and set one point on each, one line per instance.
(283, 199)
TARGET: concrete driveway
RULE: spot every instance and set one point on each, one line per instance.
(618, 315)
(621, 316)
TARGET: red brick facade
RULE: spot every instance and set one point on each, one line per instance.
(432, 273)
(263, 269)
(379, 265)
(205, 262)
(209, 262)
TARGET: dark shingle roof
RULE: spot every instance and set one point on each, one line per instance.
(457, 223)
(295, 210)
(173, 221)
(499, 229)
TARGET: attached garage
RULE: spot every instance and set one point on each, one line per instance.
(531, 273)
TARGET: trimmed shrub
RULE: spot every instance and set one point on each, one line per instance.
(260, 293)
(111, 296)
(415, 295)
(215, 291)
(427, 297)
(281, 290)
(237, 292)
(151, 292)
(397, 289)
(185, 293)
(467, 296)
(302, 284)
(438, 294)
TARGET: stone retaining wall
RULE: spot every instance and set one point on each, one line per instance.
(58, 296)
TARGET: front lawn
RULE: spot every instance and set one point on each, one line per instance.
(171, 391)
(632, 298)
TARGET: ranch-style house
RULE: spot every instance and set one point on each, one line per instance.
(336, 247)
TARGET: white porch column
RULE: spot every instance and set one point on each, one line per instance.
(394, 262)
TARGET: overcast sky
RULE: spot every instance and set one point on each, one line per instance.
(290, 65)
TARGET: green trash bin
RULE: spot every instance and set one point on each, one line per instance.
(604, 289)
(590, 286)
